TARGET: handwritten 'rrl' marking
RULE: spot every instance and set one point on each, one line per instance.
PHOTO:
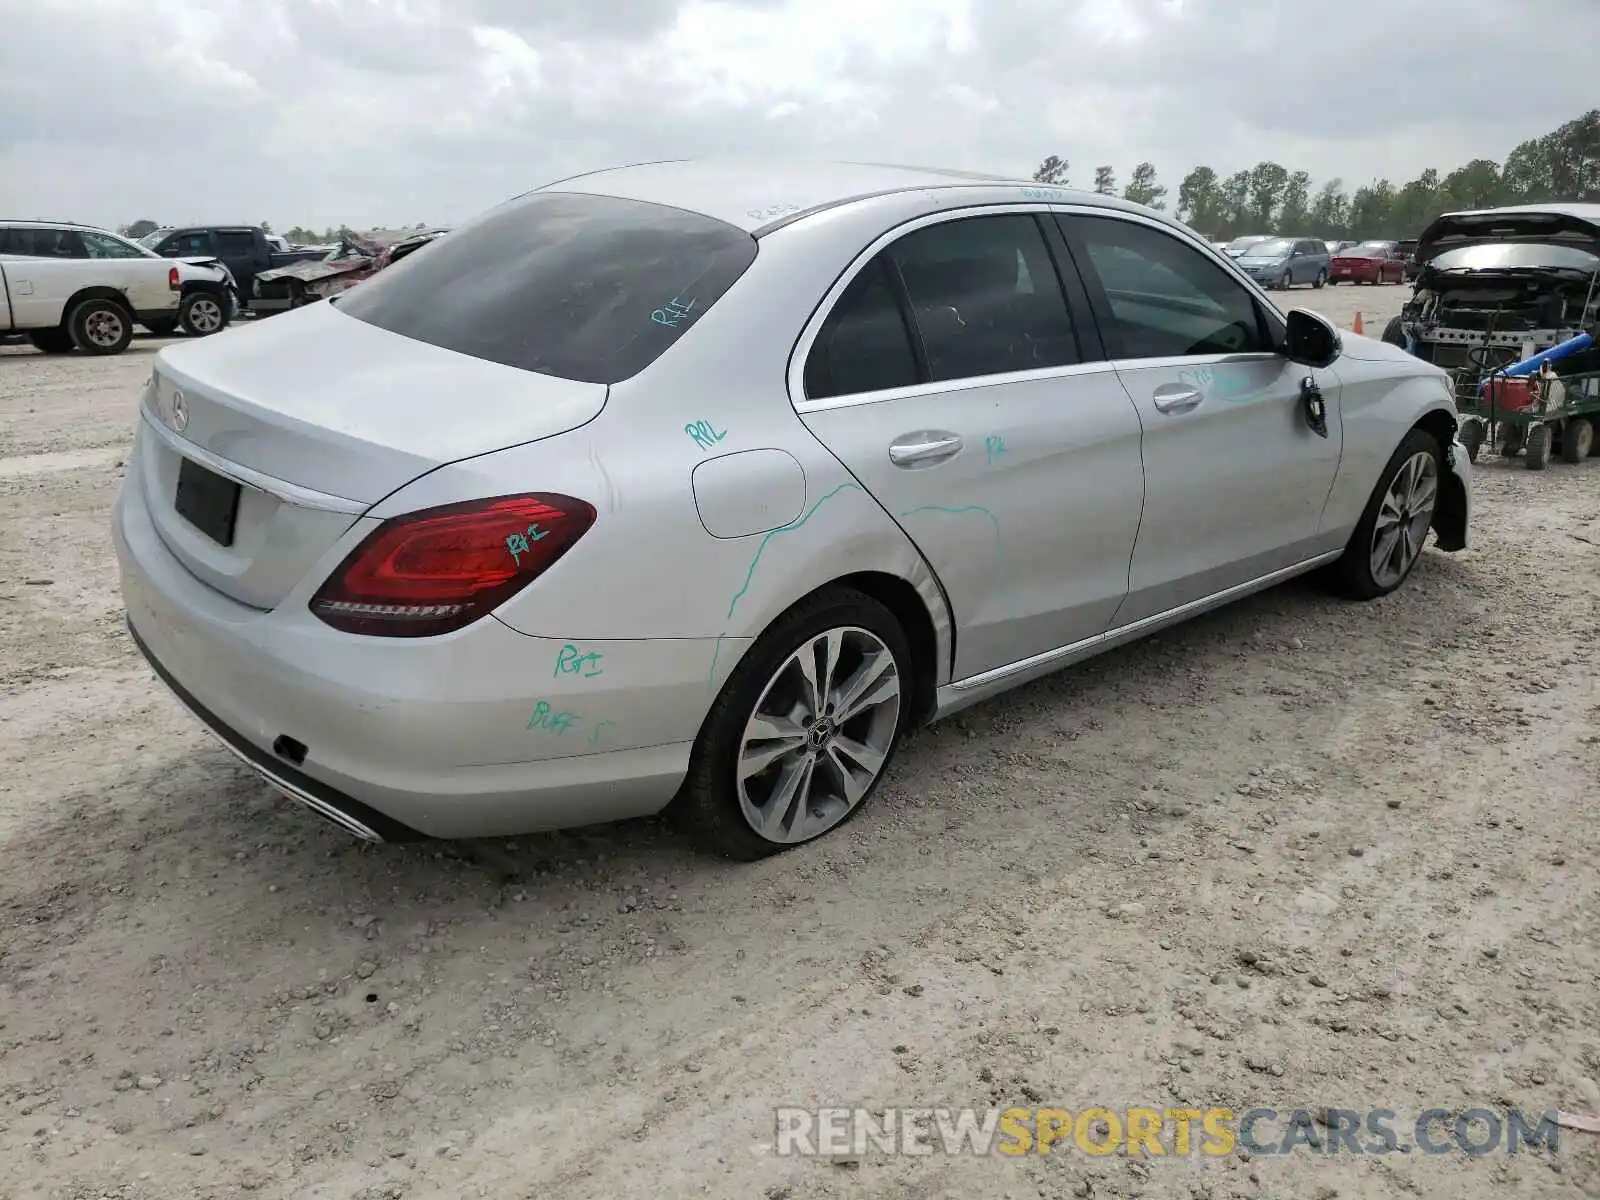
(674, 313)
(571, 660)
(994, 446)
(518, 543)
(705, 434)
(546, 718)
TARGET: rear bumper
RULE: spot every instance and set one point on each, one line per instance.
(430, 738)
(344, 811)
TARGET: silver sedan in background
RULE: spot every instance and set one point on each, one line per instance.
(702, 483)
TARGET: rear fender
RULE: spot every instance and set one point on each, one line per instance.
(95, 293)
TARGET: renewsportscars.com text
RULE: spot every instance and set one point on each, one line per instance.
(1176, 1132)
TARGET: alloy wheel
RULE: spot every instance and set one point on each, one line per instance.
(104, 328)
(820, 735)
(1403, 519)
(205, 315)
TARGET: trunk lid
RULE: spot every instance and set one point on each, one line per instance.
(319, 416)
(1558, 224)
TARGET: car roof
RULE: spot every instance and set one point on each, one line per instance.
(761, 195)
(35, 223)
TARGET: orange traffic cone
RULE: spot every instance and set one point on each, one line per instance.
(1359, 326)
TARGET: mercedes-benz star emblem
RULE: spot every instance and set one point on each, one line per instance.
(180, 412)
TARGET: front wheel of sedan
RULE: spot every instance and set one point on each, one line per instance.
(804, 729)
(1388, 539)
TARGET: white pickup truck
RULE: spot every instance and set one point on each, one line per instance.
(74, 287)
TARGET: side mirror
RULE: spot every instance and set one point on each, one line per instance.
(1311, 340)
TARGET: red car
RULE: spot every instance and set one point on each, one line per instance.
(1369, 262)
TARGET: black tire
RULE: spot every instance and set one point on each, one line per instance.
(1471, 439)
(100, 327)
(162, 329)
(709, 802)
(1287, 282)
(1394, 332)
(1351, 575)
(52, 341)
(1536, 452)
(200, 314)
(1321, 279)
(1577, 440)
(1512, 439)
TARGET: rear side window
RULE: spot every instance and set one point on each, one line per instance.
(864, 345)
(591, 288)
(236, 243)
(45, 243)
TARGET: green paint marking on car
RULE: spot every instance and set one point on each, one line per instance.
(755, 561)
(1227, 384)
(789, 528)
(547, 719)
(570, 660)
(965, 508)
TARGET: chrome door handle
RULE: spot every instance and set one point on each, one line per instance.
(1176, 398)
(924, 449)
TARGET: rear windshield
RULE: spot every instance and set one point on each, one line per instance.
(1365, 250)
(1273, 248)
(591, 288)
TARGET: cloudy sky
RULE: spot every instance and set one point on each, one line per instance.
(371, 112)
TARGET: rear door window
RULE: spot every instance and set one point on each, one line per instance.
(985, 297)
(236, 243)
(37, 242)
(591, 288)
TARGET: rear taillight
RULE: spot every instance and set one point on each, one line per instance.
(172, 279)
(433, 571)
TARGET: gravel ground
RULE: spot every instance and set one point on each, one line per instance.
(1297, 853)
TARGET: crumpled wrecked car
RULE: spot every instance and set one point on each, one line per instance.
(410, 245)
(353, 260)
(1508, 301)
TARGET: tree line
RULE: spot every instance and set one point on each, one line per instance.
(1564, 164)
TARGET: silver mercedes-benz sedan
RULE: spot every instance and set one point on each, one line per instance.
(703, 482)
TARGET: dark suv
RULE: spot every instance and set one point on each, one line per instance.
(1406, 248)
